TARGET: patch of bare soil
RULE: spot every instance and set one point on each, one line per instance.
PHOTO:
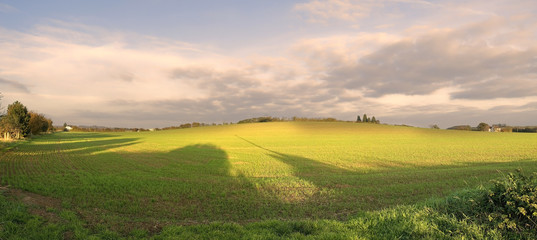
(43, 206)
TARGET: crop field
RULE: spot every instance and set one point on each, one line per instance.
(253, 172)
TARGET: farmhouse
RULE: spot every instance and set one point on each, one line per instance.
(495, 128)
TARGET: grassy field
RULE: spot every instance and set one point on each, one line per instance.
(247, 173)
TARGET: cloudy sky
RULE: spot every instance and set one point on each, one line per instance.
(157, 63)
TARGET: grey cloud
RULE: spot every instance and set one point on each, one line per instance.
(13, 86)
(230, 105)
(438, 114)
(215, 80)
(532, 105)
(506, 88)
(440, 60)
(239, 92)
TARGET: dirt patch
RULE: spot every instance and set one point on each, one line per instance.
(40, 205)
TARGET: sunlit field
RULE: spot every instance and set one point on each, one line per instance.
(252, 172)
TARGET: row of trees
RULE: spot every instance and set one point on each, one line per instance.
(293, 119)
(18, 122)
(74, 128)
(189, 125)
(484, 127)
(367, 119)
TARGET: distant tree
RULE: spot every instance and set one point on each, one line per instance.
(483, 127)
(358, 119)
(39, 123)
(16, 120)
(434, 126)
(50, 126)
(507, 129)
(365, 119)
(461, 127)
(373, 119)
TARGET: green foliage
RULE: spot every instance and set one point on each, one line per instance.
(367, 119)
(512, 203)
(260, 119)
(509, 206)
(17, 120)
(528, 129)
(305, 119)
(461, 127)
(294, 119)
(39, 123)
(483, 127)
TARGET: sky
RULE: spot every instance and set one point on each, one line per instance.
(158, 63)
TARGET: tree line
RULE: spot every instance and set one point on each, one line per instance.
(367, 119)
(282, 119)
(500, 127)
(19, 123)
(75, 128)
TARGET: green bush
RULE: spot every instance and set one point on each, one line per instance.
(509, 206)
(512, 203)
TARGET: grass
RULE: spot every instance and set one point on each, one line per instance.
(402, 222)
(241, 176)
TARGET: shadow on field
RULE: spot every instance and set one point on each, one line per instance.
(82, 143)
(127, 189)
(304, 167)
(349, 192)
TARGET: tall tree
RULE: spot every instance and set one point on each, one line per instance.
(17, 119)
(358, 119)
(50, 126)
(373, 119)
(365, 119)
(39, 123)
(483, 127)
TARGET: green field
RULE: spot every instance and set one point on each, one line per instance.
(252, 172)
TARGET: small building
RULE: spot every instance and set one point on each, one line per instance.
(495, 128)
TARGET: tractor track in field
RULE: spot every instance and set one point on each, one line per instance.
(44, 206)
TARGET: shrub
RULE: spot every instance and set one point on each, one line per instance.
(512, 203)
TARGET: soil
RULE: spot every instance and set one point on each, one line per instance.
(46, 207)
